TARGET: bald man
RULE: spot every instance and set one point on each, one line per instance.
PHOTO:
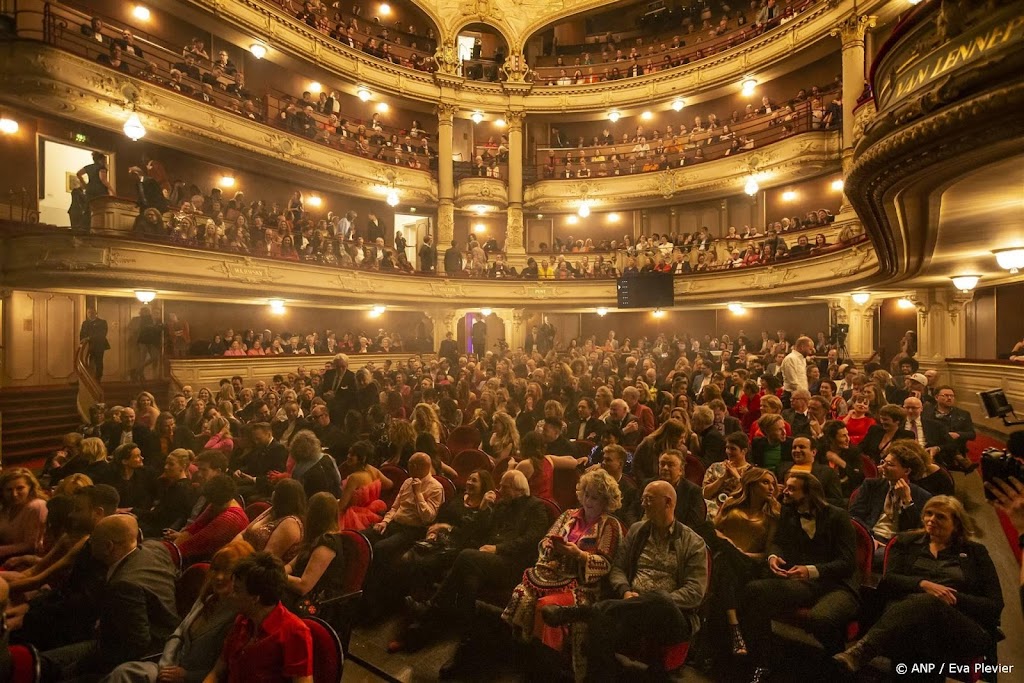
(137, 610)
(660, 576)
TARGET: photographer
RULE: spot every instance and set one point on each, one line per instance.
(1008, 494)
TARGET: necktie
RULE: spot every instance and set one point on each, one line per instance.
(913, 428)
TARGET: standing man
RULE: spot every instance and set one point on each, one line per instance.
(94, 330)
(449, 350)
(479, 335)
(148, 192)
(341, 382)
(428, 256)
(453, 259)
(794, 368)
(813, 560)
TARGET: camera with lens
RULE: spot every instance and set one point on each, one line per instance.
(997, 463)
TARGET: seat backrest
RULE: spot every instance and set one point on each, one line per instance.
(553, 510)
(188, 585)
(466, 462)
(174, 552)
(563, 488)
(358, 554)
(885, 558)
(869, 466)
(444, 453)
(448, 485)
(865, 550)
(581, 448)
(853, 497)
(397, 475)
(464, 438)
(328, 657)
(25, 666)
(256, 509)
(694, 470)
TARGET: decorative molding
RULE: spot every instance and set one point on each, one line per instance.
(851, 29)
(474, 190)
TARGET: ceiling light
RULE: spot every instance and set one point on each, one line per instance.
(905, 303)
(614, 116)
(477, 117)
(485, 312)
(479, 228)
(500, 123)
(789, 196)
(385, 9)
(364, 94)
(539, 216)
(837, 185)
(613, 217)
(383, 107)
(377, 311)
(145, 295)
(8, 126)
(751, 187)
(965, 283)
(315, 201)
(658, 313)
(584, 209)
(736, 309)
(915, 2)
(860, 298)
(392, 198)
(647, 116)
(602, 312)
(258, 50)
(678, 104)
(227, 181)
(480, 209)
(748, 85)
(571, 219)
(133, 127)
(140, 12)
(315, 87)
(1010, 259)
(276, 306)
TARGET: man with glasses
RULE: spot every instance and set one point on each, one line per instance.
(933, 437)
(660, 575)
(332, 438)
(956, 422)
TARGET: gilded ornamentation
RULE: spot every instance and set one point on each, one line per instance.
(447, 289)
(446, 112)
(539, 292)
(350, 281)
(769, 278)
(445, 223)
(851, 29)
(514, 231)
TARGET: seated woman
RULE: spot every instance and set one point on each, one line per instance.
(837, 407)
(313, 468)
(835, 449)
(671, 434)
(22, 513)
(220, 435)
(858, 421)
(745, 523)
(66, 461)
(278, 530)
(722, 478)
(360, 506)
(26, 573)
(944, 596)
(575, 557)
(540, 468)
(934, 479)
(266, 642)
(316, 574)
(134, 483)
(221, 520)
(889, 428)
(192, 650)
(173, 497)
(504, 441)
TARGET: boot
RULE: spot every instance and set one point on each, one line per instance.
(963, 464)
(854, 657)
(553, 615)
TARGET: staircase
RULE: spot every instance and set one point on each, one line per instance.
(35, 420)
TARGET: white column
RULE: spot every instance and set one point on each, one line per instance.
(445, 176)
(851, 31)
(514, 229)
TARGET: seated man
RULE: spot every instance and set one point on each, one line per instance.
(803, 461)
(660, 575)
(267, 455)
(414, 509)
(555, 442)
(690, 508)
(614, 462)
(891, 504)
(933, 437)
(517, 524)
(620, 420)
(813, 559)
(137, 610)
(957, 423)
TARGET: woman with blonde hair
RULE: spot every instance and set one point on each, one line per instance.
(192, 650)
(603, 398)
(22, 513)
(504, 441)
(426, 421)
(220, 436)
(94, 453)
(945, 599)
(72, 484)
(401, 442)
(146, 410)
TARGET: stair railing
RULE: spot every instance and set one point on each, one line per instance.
(89, 390)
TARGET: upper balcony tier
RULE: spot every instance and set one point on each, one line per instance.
(777, 51)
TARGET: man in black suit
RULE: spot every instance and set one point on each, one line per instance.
(587, 427)
(891, 504)
(94, 330)
(532, 340)
(428, 256)
(132, 432)
(725, 423)
(189, 67)
(933, 436)
(267, 455)
(691, 509)
(803, 458)
(452, 259)
(955, 421)
(449, 350)
(797, 414)
(331, 435)
(620, 418)
(94, 31)
(813, 559)
(137, 610)
(341, 383)
(148, 191)
(555, 442)
(479, 335)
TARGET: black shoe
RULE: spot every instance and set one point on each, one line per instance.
(554, 615)
(417, 610)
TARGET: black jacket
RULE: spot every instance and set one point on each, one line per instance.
(828, 478)
(452, 261)
(96, 332)
(712, 446)
(958, 420)
(515, 528)
(869, 503)
(761, 444)
(171, 509)
(323, 476)
(871, 444)
(264, 459)
(981, 597)
(832, 551)
(592, 429)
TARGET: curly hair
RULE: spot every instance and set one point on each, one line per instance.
(13, 473)
(601, 484)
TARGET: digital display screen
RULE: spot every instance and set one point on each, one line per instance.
(649, 290)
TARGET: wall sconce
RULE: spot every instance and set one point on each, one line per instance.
(145, 296)
(658, 313)
(364, 94)
(276, 306)
(748, 85)
(1010, 259)
(258, 50)
(227, 181)
(315, 87)
(377, 311)
(905, 303)
(133, 128)
(141, 12)
(837, 185)
(965, 283)
(477, 117)
(614, 116)
(584, 209)
(736, 309)
(485, 312)
(647, 116)
(602, 312)
(860, 298)
(678, 104)
(8, 126)
(751, 187)
(392, 198)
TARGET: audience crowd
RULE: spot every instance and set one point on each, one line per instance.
(616, 495)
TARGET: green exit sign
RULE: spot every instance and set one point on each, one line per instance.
(80, 138)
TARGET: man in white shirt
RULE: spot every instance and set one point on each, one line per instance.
(794, 368)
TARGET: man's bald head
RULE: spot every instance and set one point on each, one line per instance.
(662, 488)
(114, 537)
(419, 465)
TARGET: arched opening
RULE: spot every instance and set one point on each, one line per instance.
(482, 50)
(478, 333)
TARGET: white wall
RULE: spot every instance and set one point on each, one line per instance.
(59, 160)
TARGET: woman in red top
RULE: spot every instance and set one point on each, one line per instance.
(267, 644)
(215, 527)
(540, 468)
(857, 421)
